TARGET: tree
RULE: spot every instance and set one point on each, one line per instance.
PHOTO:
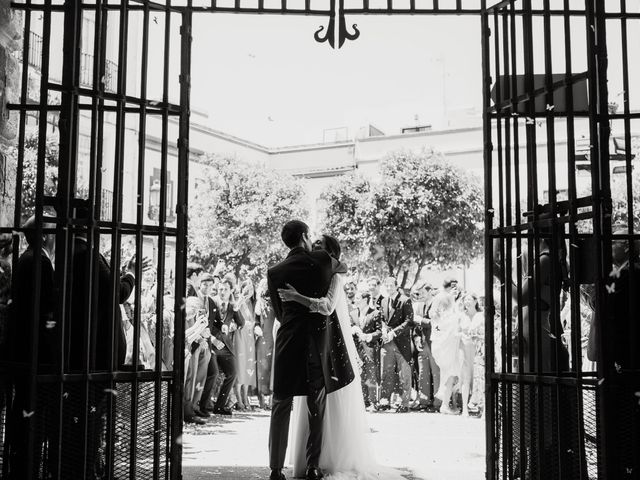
(423, 212)
(238, 211)
(30, 170)
(345, 207)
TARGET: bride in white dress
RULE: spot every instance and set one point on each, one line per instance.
(346, 452)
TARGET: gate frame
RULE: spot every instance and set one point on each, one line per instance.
(337, 33)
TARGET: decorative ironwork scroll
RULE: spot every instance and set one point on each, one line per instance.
(342, 34)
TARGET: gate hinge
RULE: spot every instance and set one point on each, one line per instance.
(185, 30)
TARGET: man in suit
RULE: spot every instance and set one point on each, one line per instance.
(223, 323)
(106, 321)
(397, 321)
(206, 286)
(19, 343)
(371, 324)
(92, 315)
(302, 359)
(427, 367)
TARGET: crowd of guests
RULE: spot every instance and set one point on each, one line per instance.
(419, 349)
(229, 340)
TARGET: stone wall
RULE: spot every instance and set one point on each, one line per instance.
(9, 91)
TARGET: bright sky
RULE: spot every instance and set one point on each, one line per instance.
(266, 79)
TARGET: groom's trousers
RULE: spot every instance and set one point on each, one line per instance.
(281, 414)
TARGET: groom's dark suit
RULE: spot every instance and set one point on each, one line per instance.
(306, 359)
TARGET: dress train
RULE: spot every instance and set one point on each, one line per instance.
(346, 453)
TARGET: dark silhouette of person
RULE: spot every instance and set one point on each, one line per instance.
(92, 316)
(24, 420)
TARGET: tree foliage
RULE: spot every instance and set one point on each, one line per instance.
(619, 197)
(237, 213)
(423, 212)
(30, 172)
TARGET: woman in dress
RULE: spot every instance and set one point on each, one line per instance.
(245, 347)
(446, 346)
(470, 309)
(346, 452)
(265, 318)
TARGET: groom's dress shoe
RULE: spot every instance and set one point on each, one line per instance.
(277, 475)
(314, 473)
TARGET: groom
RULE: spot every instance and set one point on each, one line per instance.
(305, 359)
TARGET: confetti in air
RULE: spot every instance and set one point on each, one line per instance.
(111, 391)
(611, 288)
(26, 414)
(618, 367)
(51, 324)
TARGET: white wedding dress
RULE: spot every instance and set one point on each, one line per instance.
(346, 452)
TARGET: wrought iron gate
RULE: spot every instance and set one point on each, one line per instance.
(555, 147)
(561, 363)
(83, 406)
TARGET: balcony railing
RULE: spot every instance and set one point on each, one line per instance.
(106, 202)
(86, 65)
(35, 50)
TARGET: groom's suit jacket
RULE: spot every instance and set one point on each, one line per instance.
(310, 274)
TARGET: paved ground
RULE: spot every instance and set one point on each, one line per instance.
(428, 446)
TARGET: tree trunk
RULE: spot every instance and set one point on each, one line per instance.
(405, 275)
(417, 277)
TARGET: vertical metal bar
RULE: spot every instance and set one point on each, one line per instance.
(519, 253)
(181, 243)
(572, 195)
(488, 257)
(508, 212)
(631, 346)
(632, 350)
(555, 241)
(32, 469)
(533, 274)
(101, 59)
(64, 239)
(505, 291)
(140, 220)
(116, 216)
(161, 246)
(576, 333)
(599, 133)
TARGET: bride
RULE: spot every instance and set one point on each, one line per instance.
(346, 452)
